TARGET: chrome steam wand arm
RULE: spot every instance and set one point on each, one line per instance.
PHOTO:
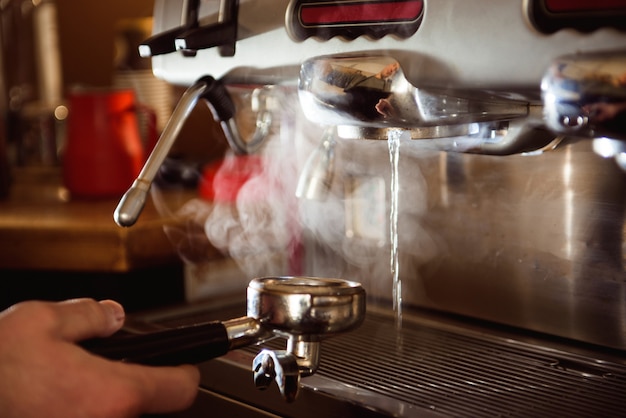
(223, 109)
(133, 201)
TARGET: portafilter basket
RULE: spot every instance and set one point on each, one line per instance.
(304, 310)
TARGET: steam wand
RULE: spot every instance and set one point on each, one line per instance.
(219, 101)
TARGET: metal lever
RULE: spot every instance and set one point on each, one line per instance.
(222, 34)
(165, 42)
(190, 37)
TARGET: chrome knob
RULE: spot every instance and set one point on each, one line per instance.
(585, 95)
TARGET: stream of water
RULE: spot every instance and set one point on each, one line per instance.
(393, 139)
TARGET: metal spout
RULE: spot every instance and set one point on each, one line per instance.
(584, 95)
(366, 96)
(372, 91)
(317, 175)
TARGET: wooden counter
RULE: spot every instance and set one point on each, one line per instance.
(41, 228)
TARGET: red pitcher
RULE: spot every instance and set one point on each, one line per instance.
(104, 151)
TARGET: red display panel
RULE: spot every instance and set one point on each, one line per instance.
(549, 16)
(351, 19)
(337, 13)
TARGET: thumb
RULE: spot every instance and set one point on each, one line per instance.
(79, 319)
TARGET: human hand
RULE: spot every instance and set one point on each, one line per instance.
(43, 373)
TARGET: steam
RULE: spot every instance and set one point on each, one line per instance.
(266, 230)
(256, 226)
(259, 229)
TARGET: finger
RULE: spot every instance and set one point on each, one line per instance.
(79, 319)
(166, 389)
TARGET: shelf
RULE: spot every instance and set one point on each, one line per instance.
(42, 228)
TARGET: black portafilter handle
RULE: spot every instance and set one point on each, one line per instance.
(191, 344)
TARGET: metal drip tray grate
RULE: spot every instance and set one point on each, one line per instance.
(465, 375)
(452, 368)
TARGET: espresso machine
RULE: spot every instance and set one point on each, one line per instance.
(464, 161)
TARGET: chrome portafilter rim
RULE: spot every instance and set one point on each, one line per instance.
(313, 307)
(318, 286)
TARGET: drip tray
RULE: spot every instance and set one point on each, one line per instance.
(431, 367)
(468, 375)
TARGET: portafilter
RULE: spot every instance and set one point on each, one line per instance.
(304, 310)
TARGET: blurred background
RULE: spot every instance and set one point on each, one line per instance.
(54, 245)
(87, 35)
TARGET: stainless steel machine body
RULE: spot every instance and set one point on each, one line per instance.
(454, 158)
